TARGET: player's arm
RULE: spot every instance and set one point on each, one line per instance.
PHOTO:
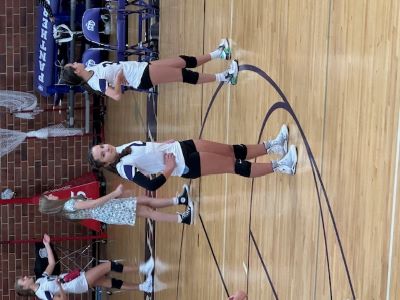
(116, 91)
(147, 183)
(50, 256)
(100, 201)
(152, 184)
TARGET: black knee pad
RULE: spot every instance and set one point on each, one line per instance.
(191, 61)
(116, 267)
(240, 151)
(243, 168)
(190, 76)
(116, 283)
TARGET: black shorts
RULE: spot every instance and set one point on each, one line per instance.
(192, 159)
(145, 81)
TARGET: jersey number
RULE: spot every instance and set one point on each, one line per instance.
(107, 63)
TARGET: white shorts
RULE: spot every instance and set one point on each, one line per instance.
(77, 286)
(133, 72)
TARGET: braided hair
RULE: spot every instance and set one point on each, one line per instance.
(69, 77)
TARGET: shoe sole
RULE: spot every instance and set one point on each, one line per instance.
(230, 50)
(285, 145)
(196, 209)
(294, 158)
(193, 211)
(237, 75)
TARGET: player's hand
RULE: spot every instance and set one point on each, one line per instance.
(52, 197)
(239, 295)
(169, 161)
(121, 78)
(46, 239)
(119, 190)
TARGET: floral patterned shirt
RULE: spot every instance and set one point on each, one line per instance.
(121, 211)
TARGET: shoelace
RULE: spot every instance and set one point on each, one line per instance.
(186, 213)
(228, 75)
(225, 50)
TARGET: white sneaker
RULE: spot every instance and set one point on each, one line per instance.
(225, 48)
(287, 164)
(147, 267)
(280, 143)
(147, 286)
(232, 73)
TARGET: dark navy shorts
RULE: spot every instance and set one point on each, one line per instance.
(192, 160)
(145, 81)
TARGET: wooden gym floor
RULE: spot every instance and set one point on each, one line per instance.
(337, 64)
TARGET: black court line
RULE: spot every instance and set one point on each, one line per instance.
(263, 264)
(249, 237)
(324, 232)
(213, 255)
(284, 104)
(151, 133)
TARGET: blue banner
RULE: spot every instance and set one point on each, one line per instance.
(45, 49)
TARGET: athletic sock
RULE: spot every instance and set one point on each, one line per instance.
(221, 77)
(274, 164)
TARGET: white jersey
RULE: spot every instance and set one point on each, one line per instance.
(105, 73)
(48, 286)
(148, 158)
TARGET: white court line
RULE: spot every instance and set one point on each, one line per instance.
(226, 140)
(245, 267)
(394, 203)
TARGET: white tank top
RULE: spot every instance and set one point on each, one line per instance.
(105, 73)
(148, 157)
